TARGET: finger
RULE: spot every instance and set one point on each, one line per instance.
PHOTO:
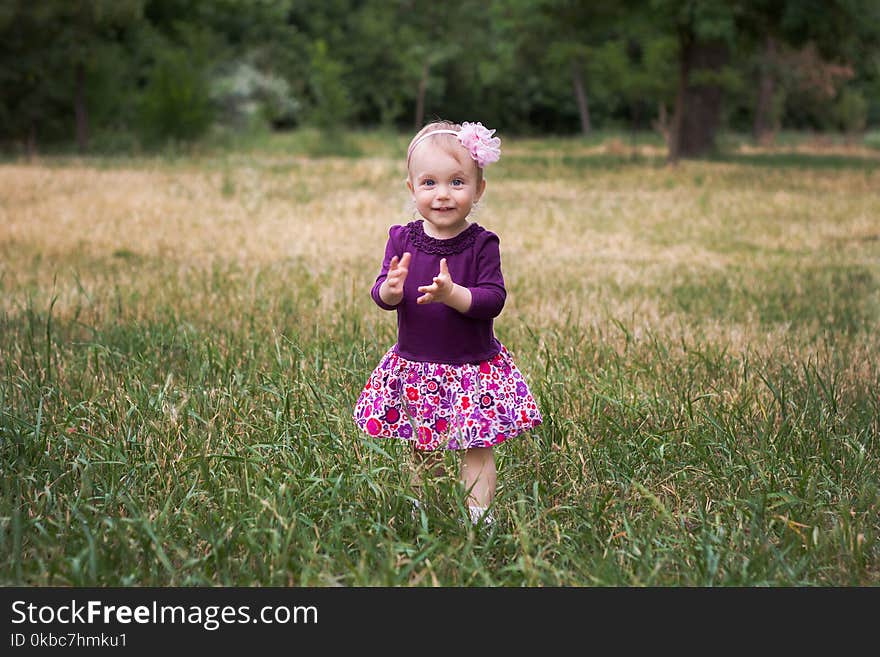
(444, 268)
(393, 264)
(406, 258)
(425, 298)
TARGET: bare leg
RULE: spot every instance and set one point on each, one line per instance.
(479, 476)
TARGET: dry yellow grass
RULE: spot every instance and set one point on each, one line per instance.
(592, 244)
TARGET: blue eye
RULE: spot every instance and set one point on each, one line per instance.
(458, 182)
(428, 182)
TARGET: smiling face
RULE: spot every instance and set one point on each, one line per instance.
(445, 185)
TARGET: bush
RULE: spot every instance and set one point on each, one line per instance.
(176, 104)
(872, 139)
(850, 112)
(332, 104)
(246, 98)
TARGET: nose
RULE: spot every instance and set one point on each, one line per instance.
(442, 191)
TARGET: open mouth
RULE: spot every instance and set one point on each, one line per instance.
(444, 209)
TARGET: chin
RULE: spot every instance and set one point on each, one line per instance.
(448, 220)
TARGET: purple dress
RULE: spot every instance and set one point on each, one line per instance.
(448, 383)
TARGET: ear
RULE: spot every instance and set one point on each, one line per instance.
(480, 189)
(409, 186)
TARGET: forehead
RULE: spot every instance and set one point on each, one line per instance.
(439, 157)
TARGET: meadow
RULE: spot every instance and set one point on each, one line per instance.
(182, 338)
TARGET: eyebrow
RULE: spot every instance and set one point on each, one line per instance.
(455, 174)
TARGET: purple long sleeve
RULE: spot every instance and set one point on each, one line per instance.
(435, 332)
(390, 252)
(488, 293)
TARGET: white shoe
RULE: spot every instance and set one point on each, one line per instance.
(479, 513)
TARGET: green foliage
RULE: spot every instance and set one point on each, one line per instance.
(34, 93)
(851, 111)
(176, 103)
(704, 20)
(331, 104)
(872, 139)
(384, 64)
(245, 96)
(511, 63)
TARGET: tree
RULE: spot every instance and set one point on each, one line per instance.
(86, 23)
(440, 33)
(243, 63)
(567, 39)
(73, 69)
(332, 104)
(705, 30)
(763, 21)
(386, 59)
(580, 32)
(55, 47)
(32, 77)
(813, 44)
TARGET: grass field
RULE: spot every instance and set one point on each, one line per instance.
(182, 339)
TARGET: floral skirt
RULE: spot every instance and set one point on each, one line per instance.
(442, 406)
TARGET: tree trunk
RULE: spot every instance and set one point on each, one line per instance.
(82, 115)
(580, 94)
(661, 123)
(764, 126)
(634, 127)
(31, 144)
(698, 104)
(674, 139)
(420, 99)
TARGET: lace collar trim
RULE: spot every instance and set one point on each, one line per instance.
(451, 246)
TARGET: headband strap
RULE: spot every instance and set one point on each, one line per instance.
(476, 140)
(424, 137)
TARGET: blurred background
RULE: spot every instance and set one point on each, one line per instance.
(127, 76)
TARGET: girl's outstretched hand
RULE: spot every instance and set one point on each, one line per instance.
(392, 288)
(441, 289)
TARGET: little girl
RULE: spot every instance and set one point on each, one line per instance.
(448, 383)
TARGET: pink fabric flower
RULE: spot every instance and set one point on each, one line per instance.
(480, 143)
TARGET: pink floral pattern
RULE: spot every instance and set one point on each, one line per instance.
(441, 406)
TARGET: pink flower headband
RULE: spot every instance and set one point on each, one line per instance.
(478, 141)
